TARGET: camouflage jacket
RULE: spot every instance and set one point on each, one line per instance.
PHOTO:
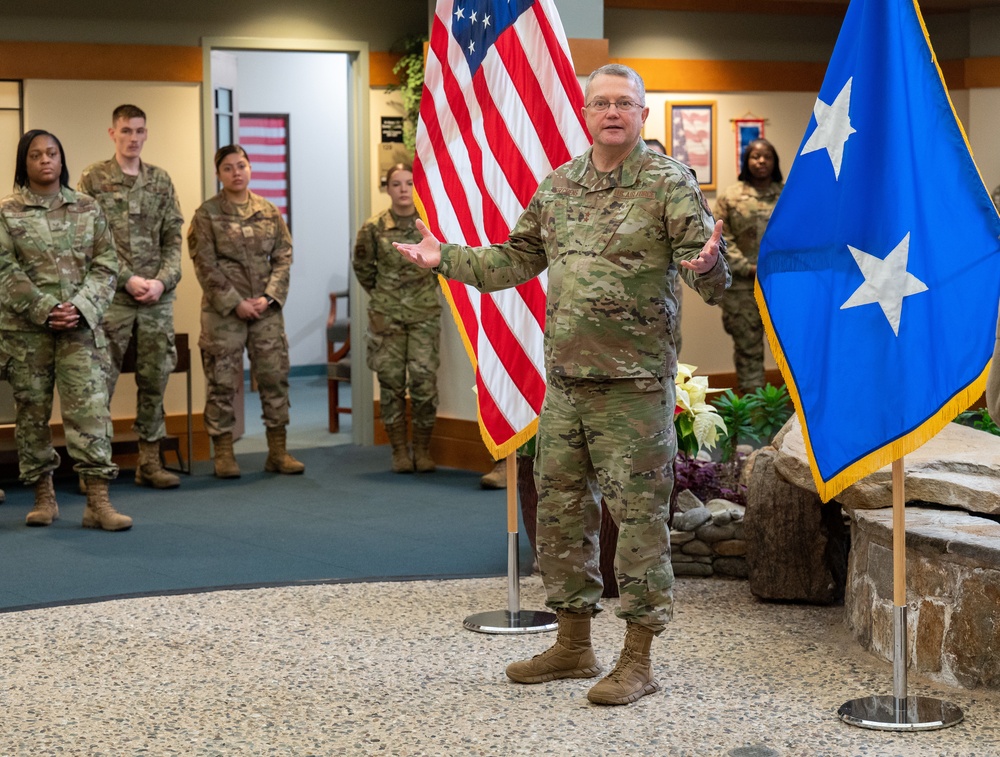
(744, 211)
(398, 289)
(996, 198)
(52, 250)
(611, 244)
(239, 253)
(145, 220)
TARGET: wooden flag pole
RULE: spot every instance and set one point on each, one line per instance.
(513, 619)
(899, 657)
(899, 712)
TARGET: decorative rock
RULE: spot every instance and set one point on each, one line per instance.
(692, 569)
(730, 548)
(681, 537)
(959, 467)
(686, 500)
(796, 546)
(711, 533)
(734, 567)
(690, 520)
(725, 506)
(953, 592)
(697, 548)
(722, 518)
(681, 557)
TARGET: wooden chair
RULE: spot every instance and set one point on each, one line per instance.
(338, 357)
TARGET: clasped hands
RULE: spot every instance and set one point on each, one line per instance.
(251, 308)
(63, 317)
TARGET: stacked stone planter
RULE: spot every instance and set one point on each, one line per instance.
(707, 539)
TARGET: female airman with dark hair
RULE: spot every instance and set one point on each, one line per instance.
(58, 269)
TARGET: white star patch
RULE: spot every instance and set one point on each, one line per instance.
(833, 127)
(886, 282)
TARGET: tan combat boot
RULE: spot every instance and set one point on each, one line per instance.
(225, 462)
(401, 460)
(632, 677)
(496, 478)
(151, 471)
(45, 510)
(99, 513)
(422, 460)
(571, 656)
(278, 459)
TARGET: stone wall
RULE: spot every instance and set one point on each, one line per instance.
(707, 538)
(953, 592)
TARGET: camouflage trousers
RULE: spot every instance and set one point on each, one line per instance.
(75, 363)
(613, 438)
(156, 357)
(405, 356)
(222, 341)
(741, 320)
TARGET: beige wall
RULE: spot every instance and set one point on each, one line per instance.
(185, 22)
(79, 113)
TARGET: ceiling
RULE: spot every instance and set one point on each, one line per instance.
(791, 7)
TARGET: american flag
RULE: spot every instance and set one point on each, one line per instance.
(501, 108)
(265, 138)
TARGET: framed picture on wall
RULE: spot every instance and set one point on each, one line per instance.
(265, 137)
(748, 129)
(691, 138)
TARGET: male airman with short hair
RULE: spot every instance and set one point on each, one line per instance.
(141, 205)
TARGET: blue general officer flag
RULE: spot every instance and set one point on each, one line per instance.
(879, 273)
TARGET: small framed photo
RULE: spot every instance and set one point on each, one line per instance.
(747, 130)
(691, 138)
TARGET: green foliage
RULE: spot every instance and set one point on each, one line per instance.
(772, 407)
(737, 412)
(753, 418)
(979, 419)
(528, 448)
(410, 69)
(686, 440)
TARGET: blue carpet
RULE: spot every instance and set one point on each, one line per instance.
(348, 518)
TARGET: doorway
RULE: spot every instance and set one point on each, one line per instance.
(312, 171)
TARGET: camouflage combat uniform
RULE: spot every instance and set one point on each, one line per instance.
(146, 221)
(53, 250)
(404, 319)
(242, 252)
(744, 211)
(611, 244)
(996, 197)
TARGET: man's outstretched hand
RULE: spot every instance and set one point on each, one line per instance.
(709, 254)
(426, 254)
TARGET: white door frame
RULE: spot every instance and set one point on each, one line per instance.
(362, 388)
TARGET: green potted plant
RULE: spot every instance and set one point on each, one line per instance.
(410, 70)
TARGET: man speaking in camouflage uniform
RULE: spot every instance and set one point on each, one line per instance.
(611, 226)
(142, 210)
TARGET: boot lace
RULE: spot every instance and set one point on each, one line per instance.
(625, 663)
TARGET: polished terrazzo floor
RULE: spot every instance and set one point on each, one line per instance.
(388, 669)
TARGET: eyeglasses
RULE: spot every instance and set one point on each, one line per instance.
(624, 106)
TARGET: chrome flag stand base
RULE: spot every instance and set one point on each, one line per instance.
(899, 712)
(513, 620)
(886, 713)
